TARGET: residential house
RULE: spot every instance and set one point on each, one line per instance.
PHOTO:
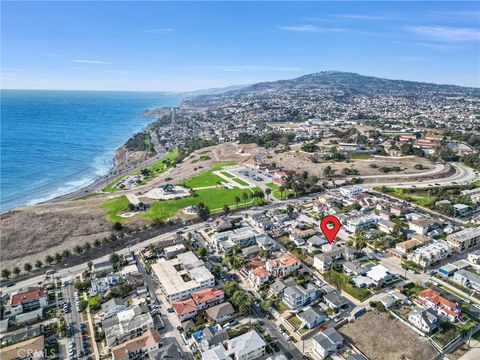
(221, 312)
(327, 342)
(380, 274)
(259, 276)
(31, 349)
(297, 296)
(467, 279)
(423, 226)
(443, 307)
(102, 268)
(210, 336)
(284, 265)
(127, 324)
(208, 297)
(139, 347)
(185, 309)
(99, 285)
(335, 301)
(322, 262)
(248, 346)
(112, 306)
(424, 319)
(311, 318)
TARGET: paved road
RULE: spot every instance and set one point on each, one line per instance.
(462, 175)
(73, 318)
(170, 320)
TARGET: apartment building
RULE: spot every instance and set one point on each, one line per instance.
(430, 254)
(180, 277)
(464, 239)
(26, 300)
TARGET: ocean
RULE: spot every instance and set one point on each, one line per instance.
(55, 142)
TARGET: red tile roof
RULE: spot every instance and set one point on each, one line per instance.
(435, 297)
(207, 294)
(184, 307)
(27, 296)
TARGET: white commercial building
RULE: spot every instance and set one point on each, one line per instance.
(181, 276)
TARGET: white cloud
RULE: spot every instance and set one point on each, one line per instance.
(88, 61)
(158, 31)
(435, 46)
(360, 17)
(310, 28)
(444, 33)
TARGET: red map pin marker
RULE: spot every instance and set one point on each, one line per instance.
(330, 226)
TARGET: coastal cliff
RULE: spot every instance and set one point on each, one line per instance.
(125, 159)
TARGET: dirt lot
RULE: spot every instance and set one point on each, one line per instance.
(380, 338)
(298, 160)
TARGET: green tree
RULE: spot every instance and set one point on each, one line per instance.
(66, 253)
(97, 243)
(38, 264)
(87, 246)
(114, 258)
(226, 209)
(268, 191)
(230, 287)
(49, 259)
(117, 226)
(237, 200)
(202, 252)
(245, 198)
(202, 211)
(328, 172)
(215, 270)
(6, 273)
(78, 249)
(58, 257)
(27, 267)
(282, 191)
(16, 270)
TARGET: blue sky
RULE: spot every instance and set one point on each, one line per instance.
(196, 45)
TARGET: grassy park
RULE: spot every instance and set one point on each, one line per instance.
(115, 206)
(207, 178)
(214, 198)
(276, 191)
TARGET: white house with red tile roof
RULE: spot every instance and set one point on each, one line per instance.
(185, 309)
(443, 307)
(208, 297)
(259, 276)
(285, 264)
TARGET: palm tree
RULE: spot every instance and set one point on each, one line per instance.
(27, 267)
(38, 264)
(268, 191)
(226, 209)
(245, 198)
(78, 249)
(252, 196)
(49, 259)
(282, 191)
(6, 273)
(16, 270)
(237, 200)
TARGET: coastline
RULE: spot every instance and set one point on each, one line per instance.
(99, 182)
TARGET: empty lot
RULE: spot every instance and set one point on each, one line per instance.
(381, 338)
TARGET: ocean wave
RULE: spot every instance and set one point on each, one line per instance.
(69, 187)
